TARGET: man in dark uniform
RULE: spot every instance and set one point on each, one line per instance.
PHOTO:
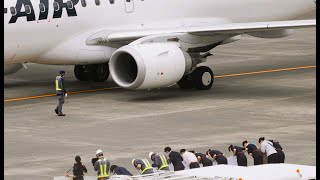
(102, 166)
(241, 157)
(160, 161)
(254, 152)
(143, 165)
(61, 93)
(217, 156)
(175, 158)
(119, 170)
(203, 159)
(281, 155)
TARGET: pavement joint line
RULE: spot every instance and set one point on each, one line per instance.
(111, 88)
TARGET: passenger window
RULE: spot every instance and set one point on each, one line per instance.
(83, 3)
(56, 6)
(69, 4)
(13, 11)
(42, 7)
(28, 9)
(111, 1)
(5, 10)
(97, 2)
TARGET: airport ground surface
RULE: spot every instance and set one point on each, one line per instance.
(129, 124)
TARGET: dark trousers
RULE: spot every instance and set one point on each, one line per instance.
(281, 156)
(221, 160)
(194, 165)
(60, 103)
(242, 160)
(78, 178)
(178, 167)
(273, 158)
(257, 158)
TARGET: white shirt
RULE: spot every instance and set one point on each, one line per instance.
(189, 157)
(267, 147)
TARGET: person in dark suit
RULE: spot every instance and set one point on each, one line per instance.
(203, 159)
(175, 158)
(119, 170)
(241, 157)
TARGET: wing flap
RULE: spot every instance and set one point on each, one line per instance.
(227, 28)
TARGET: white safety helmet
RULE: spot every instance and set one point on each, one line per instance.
(133, 161)
(99, 151)
(150, 154)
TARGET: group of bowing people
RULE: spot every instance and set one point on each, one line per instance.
(268, 151)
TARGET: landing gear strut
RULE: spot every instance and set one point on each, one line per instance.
(92, 72)
(201, 78)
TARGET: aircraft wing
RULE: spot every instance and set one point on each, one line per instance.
(226, 28)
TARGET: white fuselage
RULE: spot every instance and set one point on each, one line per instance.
(47, 41)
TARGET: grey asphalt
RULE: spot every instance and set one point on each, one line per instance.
(129, 124)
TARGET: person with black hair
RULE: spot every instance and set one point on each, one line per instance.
(254, 152)
(279, 149)
(119, 170)
(189, 159)
(78, 170)
(267, 147)
(202, 159)
(217, 156)
(175, 158)
(241, 157)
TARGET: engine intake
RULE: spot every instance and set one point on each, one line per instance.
(146, 66)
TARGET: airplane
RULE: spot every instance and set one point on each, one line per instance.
(143, 44)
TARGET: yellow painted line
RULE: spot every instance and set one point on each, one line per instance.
(103, 89)
(50, 95)
(265, 71)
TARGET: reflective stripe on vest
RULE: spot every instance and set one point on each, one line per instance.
(164, 162)
(57, 83)
(146, 164)
(103, 169)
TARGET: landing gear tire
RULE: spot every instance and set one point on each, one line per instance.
(100, 72)
(92, 72)
(79, 72)
(186, 82)
(202, 78)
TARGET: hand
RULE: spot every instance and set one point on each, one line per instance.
(66, 175)
(66, 95)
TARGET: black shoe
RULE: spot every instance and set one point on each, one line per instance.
(61, 115)
(56, 110)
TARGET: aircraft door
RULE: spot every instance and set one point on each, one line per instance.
(129, 6)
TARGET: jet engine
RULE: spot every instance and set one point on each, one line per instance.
(11, 68)
(146, 66)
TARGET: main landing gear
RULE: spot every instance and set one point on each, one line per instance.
(201, 78)
(92, 72)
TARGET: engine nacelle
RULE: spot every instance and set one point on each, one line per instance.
(11, 68)
(146, 66)
(272, 33)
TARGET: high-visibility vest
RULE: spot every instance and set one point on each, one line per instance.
(103, 169)
(164, 162)
(146, 164)
(57, 83)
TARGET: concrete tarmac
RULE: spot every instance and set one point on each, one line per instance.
(129, 124)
